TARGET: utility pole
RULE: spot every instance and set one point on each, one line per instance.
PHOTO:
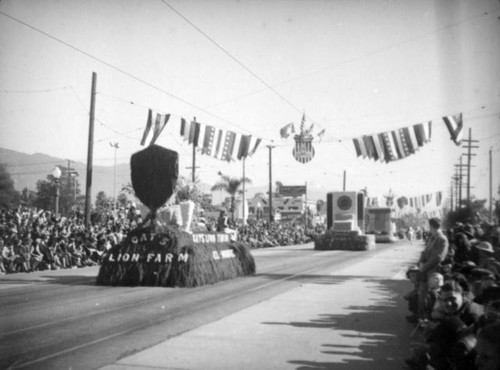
(270, 185)
(469, 154)
(244, 197)
(343, 187)
(459, 182)
(451, 193)
(193, 168)
(90, 152)
(70, 172)
(306, 208)
(491, 187)
(114, 145)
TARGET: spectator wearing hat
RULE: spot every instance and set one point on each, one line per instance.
(435, 251)
(469, 231)
(462, 248)
(481, 252)
(481, 279)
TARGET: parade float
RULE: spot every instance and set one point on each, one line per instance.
(164, 251)
(345, 224)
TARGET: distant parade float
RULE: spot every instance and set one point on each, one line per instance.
(345, 224)
(168, 255)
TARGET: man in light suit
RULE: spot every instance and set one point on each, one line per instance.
(436, 250)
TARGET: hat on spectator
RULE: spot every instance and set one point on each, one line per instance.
(469, 231)
(465, 267)
(481, 274)
(412, 269)
(485, 247)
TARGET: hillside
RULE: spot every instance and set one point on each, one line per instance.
(27, 169)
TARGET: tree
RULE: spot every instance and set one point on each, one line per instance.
(8, 195)
(122, 200)
(45, 193)
(28, 198)
(69, 192)
(231, 185)
(471, 212)
(103, 203)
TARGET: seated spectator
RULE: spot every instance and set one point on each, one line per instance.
(462, 247)
(480, 280)
(36, 255)
(488, 347)
(435, 351)
(452, 302)
(8, 256)
(25, 254)
(412, 296)
(481, 252)
(434, 284)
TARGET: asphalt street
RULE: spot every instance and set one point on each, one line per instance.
(304, 309)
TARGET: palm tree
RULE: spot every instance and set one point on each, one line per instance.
(231, 185)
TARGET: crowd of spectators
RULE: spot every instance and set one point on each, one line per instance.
(258, 233)
(32, 239)
(455, 304)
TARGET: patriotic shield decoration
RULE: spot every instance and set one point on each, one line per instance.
(303, 151)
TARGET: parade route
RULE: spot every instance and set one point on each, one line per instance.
(347, 318)
(302, 309)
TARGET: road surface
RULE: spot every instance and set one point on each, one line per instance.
(62, 320)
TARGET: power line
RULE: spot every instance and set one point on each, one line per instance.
(130, 75)
(232, 57)
(268, 86)
(34, 91)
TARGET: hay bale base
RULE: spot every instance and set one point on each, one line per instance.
(344, 240)
(173, 258)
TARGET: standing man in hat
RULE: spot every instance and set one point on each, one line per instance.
(436, 250)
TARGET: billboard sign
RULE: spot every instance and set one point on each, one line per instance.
(293, 191)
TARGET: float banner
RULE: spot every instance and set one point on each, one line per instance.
(174, 258)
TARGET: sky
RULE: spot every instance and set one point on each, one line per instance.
(353, 68)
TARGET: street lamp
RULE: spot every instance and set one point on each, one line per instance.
(116, 146)
(57, 174)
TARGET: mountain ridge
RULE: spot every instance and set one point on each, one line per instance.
(27, 169)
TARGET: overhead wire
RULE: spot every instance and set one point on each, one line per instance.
(122, 71)
(225, 51)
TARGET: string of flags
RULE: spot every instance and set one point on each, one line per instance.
(400, 143)
(455, 126)
(393, 145)
(221, 144)
(384, 146)
(426, 205)
(419, 201)
(230, 146)
(160, 123)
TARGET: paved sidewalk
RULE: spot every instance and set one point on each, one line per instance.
(352, 318)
